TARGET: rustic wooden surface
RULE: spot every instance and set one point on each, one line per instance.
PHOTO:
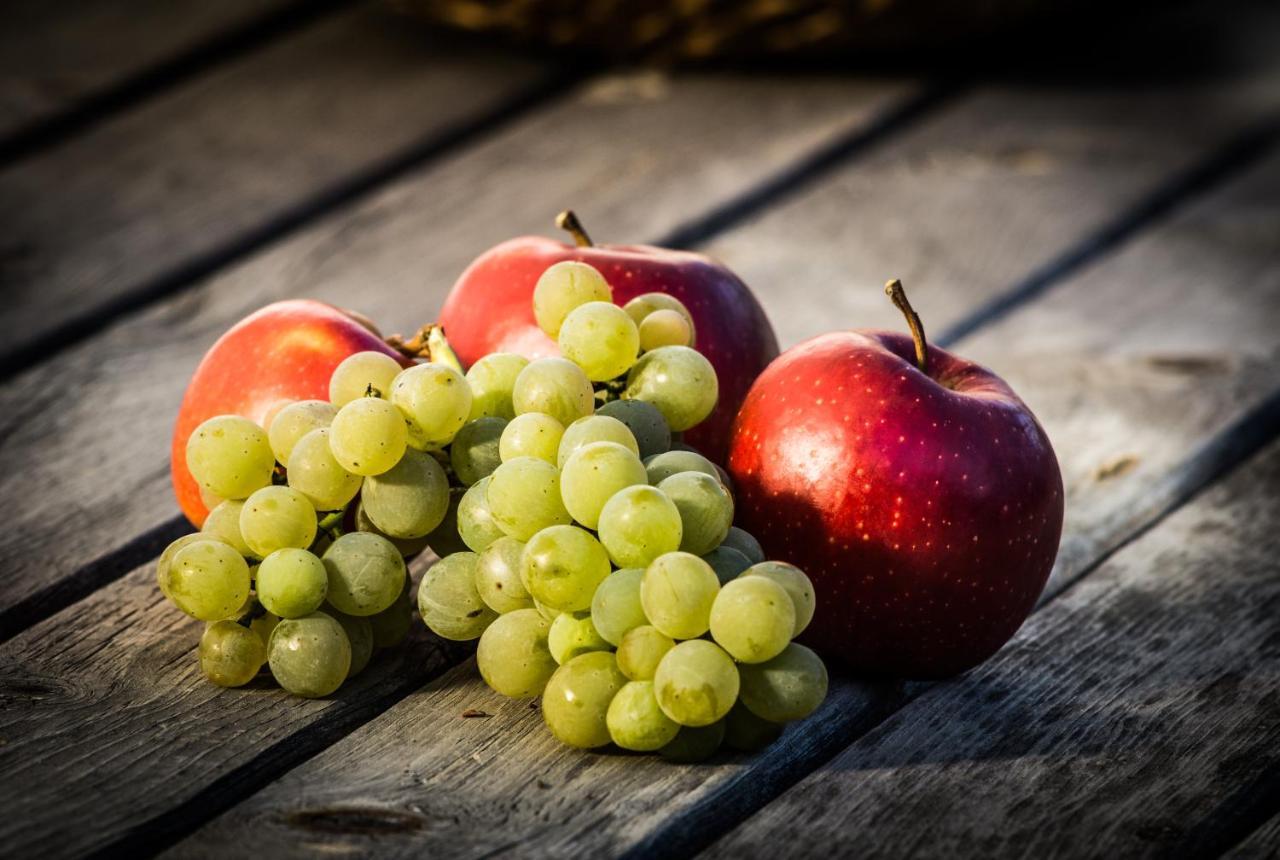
(1109, 247)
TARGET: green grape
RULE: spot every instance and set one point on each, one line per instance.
(638, 524)
(744, 543)
(572, 633)
(642, 306)
(641, 650)
(317, 474)
(264, 625)
(391, 626)
(408, 500)
(474, 452)
(448, 601)
(664, 328)
(230, 655)
(575, 703)
(309, 656)
(277, 517)
(208, 580)
(368, 436)
(365, 572)
(230, 456)
(594, 428)
(694, 744)
(546, 612)
(600, 338)
(531, 435)
(645, 422)
(668, 463)
(563, 565)
(679, 381)
(209, 499)
(491, 379)
(636, 722)
(295, 421)
(593, 474)
(727, 562)
(223, 523)
(563, 287)
(435, 400)
(797, 585)
(513, 656)
(446, 539)
(356, 374)
(677, 591)
(498, 576)
(476, 523)
(615, 607)
(292, 583)
(555, 387)
(745, 732)
(359, 634)
(165, 561)
(524, 497)
(696, 683)
(752, 618)
(408, 547)
(789, 687)
(706, 510)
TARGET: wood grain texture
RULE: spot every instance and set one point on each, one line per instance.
(1218, 246)
(53, 57)
(393, 255)
(1115, 723)
(1261, 844)
(145, 201)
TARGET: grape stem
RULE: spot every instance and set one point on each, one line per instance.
(428, 342)
(898, 295)
(568, 221)
(331, 524)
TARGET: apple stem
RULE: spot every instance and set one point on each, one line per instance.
(569, 222)
(429, 342)
(893, 289)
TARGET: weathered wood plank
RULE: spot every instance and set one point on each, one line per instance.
(53, 57)
(157, 196)
(1262, 844)
(393, 255)
(467, 789)
(1120, 718)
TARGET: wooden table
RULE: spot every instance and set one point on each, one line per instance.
(1107, 241)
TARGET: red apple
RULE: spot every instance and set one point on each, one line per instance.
(926, 505)
(286, 351)
(490, 309)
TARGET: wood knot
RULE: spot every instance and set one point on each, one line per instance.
(356, 821)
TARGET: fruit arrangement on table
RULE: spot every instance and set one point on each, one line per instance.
(582, 540)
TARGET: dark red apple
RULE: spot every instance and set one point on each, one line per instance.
(914, 487)
(490, 309)
(286, 351)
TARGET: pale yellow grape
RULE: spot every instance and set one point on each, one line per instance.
(359, 635)
(476, 526)
(492, 379)
(706, 510)
(223, 522)
(641, 650)
(546, 611)
(230, 456)
(474, 451)
(645, 422)
(752, 618)
(165, 560)
(600, 338)
(208, 580)
(317, 474)
(668, 463)
(555, 387)
(679, 381)
(572, 633)
(295, 421)
(231, 655)
(563, 287)
(391, 626)
(797, 585)
(694, 744)
(677, 592)
(575, 703)
(448, 601)
(646, 304)
(635, 720)
(309, 656)
(366, 573)
(638, 524)
(664, 328)
(594, 428)
(436, 401)
(696, 683)
(615, 607)
(563, 566)
(292, 583)
(523, 496)
(277, 517)
(532, 434)
(745, 732)
(356, 374)
(513, 656)
(789, 687)
(593, 474)
(408, 500)
(499, 579)
(264, 625)
(368, 436)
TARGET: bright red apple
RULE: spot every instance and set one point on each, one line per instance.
(286, 351)
(490, 309)
(914, 487)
